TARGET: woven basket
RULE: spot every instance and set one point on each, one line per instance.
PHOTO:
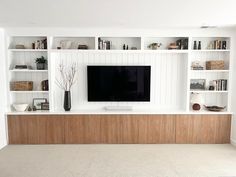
(215, 65)
(21, 86)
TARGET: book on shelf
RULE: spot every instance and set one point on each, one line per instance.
(104, 44)
(220, 84)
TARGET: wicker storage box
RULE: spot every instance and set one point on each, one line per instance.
(21, 86)
(215, 65)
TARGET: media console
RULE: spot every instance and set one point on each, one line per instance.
(74, 128)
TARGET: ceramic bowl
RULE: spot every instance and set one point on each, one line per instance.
(20, 107)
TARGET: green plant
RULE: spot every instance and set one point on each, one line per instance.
(41, 60)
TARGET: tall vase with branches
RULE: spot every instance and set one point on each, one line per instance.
(66, 80)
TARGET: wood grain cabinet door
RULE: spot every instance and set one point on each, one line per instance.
(51, 129)
(23, 130)
(155, 129)
(36, 129)
(82, 129)
(203, 129)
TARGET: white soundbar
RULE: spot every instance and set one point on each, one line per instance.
(118, 108)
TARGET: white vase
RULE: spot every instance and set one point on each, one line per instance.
(65, 44)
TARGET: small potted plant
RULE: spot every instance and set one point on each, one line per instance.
(41, 63)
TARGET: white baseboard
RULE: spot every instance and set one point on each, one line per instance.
(2, 146)
(233, 142)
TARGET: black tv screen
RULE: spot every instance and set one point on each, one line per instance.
(119, 83)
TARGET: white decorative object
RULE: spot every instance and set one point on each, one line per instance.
(20, 107)
(65, 44)
(196, 101)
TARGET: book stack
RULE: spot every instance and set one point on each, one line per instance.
(197, 68)
(220, 84)
(104, 44)
(219, 44)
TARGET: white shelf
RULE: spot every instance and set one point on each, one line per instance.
(209, 112)
(211, 50)
(27, 50)
(28, 71)
(167, 51)
(210, 71)
(72, 50)
(208, 91)
(29, 92)
(119, 51)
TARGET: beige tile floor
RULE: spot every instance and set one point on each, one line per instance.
(118, 161)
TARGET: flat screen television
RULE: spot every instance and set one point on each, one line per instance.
(119, 83)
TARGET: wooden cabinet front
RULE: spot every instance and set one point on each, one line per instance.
(118, 129)
(203, 129)
(123, 129)
(36, 129)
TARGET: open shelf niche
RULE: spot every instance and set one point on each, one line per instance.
(27, 43)
(166, 43)
(119, 43)
(210, 43)
(70, 43)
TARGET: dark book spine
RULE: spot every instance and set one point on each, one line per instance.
(226, 87)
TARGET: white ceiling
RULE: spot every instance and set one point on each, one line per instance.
(117, 13)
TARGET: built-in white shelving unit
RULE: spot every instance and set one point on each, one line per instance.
(212, 49)
(23, 50)
(171, 69)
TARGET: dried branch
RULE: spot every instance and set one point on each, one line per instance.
(67, 76)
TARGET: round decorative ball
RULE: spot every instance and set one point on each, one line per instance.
(196, 107)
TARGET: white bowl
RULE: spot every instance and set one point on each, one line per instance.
(20, 107)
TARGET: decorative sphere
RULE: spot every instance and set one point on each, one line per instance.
(196, 106)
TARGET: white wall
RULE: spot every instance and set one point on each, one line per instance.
(233, 132)
(3, 97)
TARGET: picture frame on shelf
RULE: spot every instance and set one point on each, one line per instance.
(37, 103)
(198, 84)
(45, 106)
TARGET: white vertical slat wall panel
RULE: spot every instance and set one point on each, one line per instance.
(168, 77)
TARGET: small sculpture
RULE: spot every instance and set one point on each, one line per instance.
(124, 47)
(29, 109)
(34, 108)
(155, 46)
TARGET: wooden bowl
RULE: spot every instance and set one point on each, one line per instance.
(215, 108)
